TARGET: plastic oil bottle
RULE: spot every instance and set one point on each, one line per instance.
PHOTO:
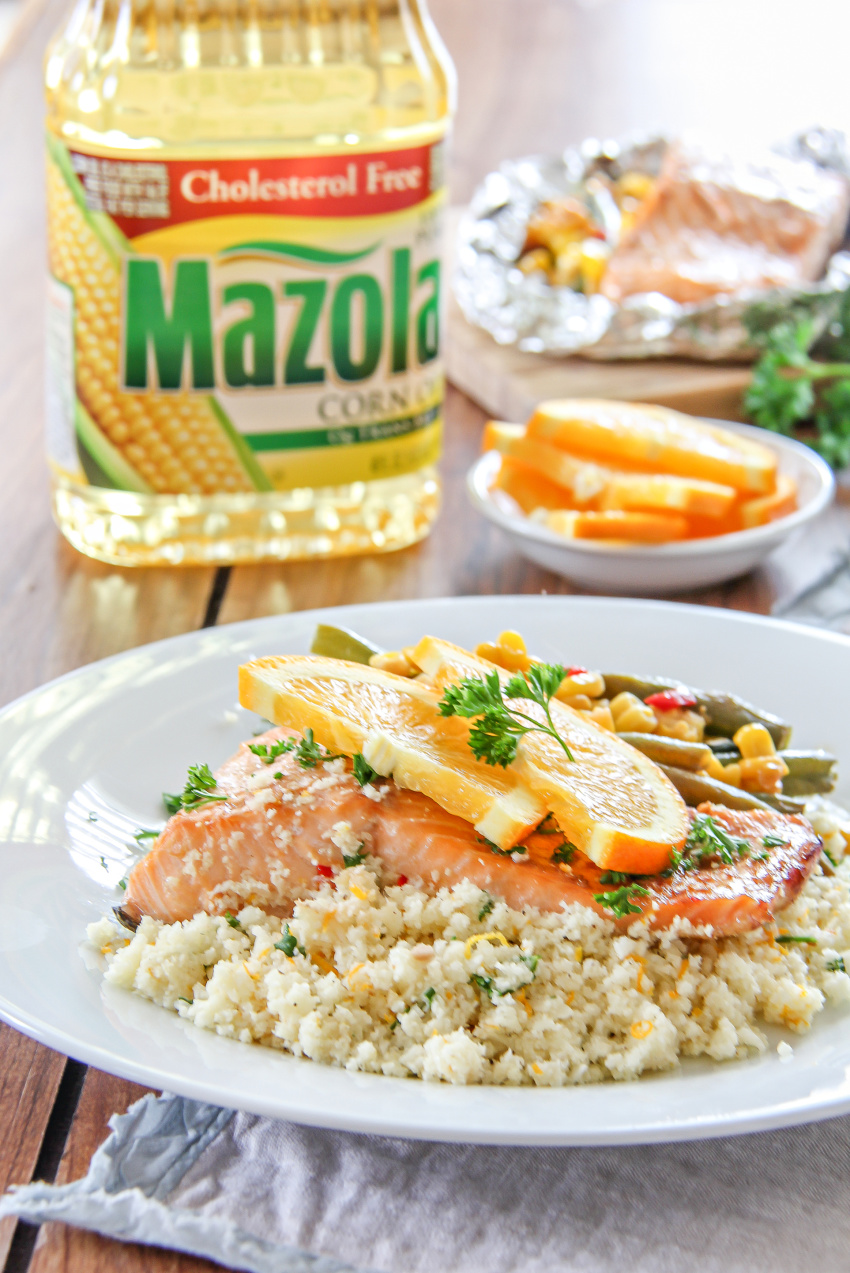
(245, 204)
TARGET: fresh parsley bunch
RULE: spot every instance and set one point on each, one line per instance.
(498, 727)
(789, 388)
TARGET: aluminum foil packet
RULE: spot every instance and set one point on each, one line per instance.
(524, 309)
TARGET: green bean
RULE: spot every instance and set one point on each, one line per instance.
(696, 788)
(669, 751)
(724, 713)
(809, 772)
(340, 643)
(784, 803)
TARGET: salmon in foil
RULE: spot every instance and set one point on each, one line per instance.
(717, 225)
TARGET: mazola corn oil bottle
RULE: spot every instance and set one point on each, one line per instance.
(245, 204)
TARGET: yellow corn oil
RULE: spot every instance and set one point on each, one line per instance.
(245, 205)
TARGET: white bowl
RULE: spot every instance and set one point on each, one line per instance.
(655, 568)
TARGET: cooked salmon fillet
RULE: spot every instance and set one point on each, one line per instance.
(717, 225)
(282, 828)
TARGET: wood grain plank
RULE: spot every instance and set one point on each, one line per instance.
(60, 1249)
(29, 1080)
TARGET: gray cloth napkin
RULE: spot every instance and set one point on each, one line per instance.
(272, 1197)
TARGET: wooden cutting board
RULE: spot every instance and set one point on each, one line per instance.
(508, 383)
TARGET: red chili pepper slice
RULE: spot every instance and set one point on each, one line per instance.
(402, 879)
(576, 671)
(671, 700)
(326, 871)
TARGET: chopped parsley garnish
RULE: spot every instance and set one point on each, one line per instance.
(310, 753)
(429, 996)
(122, 884)
(288, 943)
(269, 752)
(498, 727)
(830, 859)
(183, 999)
(614, 877)
(620, 901)
(531, 962)
(494, 848)
(484, 983)
(363, 771)
(836, 965)
(486, 908)
(787, 939)
(199, 789)
(232, 920)
(564, 853)
(774, 841)
(354, 859)
(144, 834)
(103, 862)
(707, 838)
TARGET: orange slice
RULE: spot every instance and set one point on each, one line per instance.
(767, 508)
(585, 481)
(655, 438)
(528, 489)
(664, 492)
(648, 528)
(581, 480)
(395, 723)
(611, 801)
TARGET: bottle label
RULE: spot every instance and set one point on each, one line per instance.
(238, 325)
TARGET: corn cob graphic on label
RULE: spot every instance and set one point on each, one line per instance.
(238, 326)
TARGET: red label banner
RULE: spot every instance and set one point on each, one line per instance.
(142, 194)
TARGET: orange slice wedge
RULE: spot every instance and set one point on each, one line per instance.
(608, 488)
(395, 723)
(656, 438)
(767, 508)
(647, 528)
(612, 802)
(528, 489)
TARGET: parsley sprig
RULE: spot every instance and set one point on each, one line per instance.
(707, 838)
(309, 754)
(200, 789)
(498, 726)
(620, 901)
(786, 390)
(269, 752)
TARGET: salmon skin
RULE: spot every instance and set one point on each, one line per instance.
(715, 225)
(283, 828)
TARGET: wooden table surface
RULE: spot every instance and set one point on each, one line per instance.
(59, 610)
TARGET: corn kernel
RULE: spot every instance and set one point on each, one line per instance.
(763, 773)
(394, 661)
(512, 641)
(681, 723)
(590, 683)
(503, 656)
(600, 714)
(754, 740)
(631, 715)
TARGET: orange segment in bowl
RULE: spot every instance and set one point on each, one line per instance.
(582, 481)
(657, 439)
(768, 508)
(647, 528)
(664, 492)
(530, 490)
(395, 723)
(611, 801)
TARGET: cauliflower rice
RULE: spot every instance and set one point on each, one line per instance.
(458, 987)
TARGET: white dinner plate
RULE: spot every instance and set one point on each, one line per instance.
(660, 568)
(84, 759)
